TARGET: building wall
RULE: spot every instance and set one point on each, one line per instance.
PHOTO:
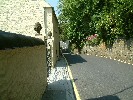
(23, 73)
(48, 19)
(56, 37)
(52, 25)
(20, 16)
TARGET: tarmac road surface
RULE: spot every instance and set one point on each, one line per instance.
(99, 78)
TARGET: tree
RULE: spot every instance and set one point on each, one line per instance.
(107, 18)
(74, 20)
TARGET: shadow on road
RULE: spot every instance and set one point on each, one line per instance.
(73, 58)
(123, 90)
(109, 97)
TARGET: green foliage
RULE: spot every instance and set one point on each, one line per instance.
(109, 19)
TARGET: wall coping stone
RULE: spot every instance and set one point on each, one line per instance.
(13, 40)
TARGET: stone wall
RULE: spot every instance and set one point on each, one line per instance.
(121, 50)
(23, 73)
(52, 25)
(13, 40)
(56, 38)
(48, 19)
(20, 16)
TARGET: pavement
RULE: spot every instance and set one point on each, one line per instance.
(59, 83)
(99, 78)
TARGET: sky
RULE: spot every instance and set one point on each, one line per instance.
(54, 4)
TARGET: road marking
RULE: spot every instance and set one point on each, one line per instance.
(125, 62)
(73, 83)
(119, 60)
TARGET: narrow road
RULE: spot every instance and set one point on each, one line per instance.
(99, 78)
